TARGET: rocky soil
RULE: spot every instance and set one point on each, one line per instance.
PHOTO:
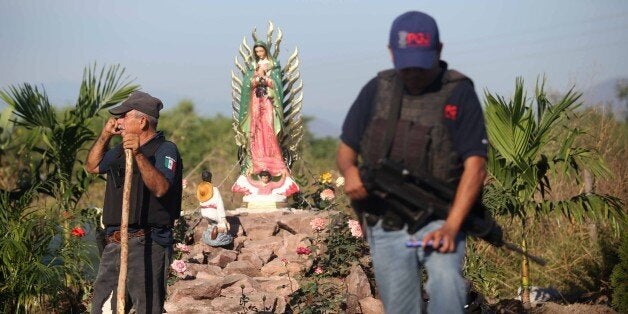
(256, 274)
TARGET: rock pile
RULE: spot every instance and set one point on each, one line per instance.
(258, 272)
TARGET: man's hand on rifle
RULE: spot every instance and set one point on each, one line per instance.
(347, 163)
(443, 239)
(466, 193)
(354, 188)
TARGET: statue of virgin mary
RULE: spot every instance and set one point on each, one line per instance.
(267, 121)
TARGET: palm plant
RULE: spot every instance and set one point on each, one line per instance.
(58, 140)
(54, 143)
(530, 143)
(6, 128)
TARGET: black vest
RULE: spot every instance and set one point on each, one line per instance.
(422, 141)
(146, 210)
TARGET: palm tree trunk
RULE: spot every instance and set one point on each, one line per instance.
(124, 231)
(525, 269)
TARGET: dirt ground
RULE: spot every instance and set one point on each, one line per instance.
(550, 307)
(516, 307)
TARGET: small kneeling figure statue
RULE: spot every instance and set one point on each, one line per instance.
(213, 209)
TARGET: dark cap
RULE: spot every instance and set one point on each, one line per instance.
(139, 101)
(414, 40)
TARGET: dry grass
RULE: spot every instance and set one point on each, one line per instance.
(609, 139)
(575, 254)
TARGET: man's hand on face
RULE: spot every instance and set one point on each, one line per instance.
(111, 127)
(131, 141)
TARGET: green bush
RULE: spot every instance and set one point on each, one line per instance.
(334, 250)
(38, 270)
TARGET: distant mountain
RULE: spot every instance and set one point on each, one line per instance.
(322, 128)
(605, 94)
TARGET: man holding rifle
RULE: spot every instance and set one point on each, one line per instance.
(155, 203)
(427, 120)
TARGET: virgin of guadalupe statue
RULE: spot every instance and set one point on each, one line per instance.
(267, 115)
(261, 112)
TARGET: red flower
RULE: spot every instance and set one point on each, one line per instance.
(303, 250)
(78, 232)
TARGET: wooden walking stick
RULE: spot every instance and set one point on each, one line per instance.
(124, 231)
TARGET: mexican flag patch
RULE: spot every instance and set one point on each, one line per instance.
(170, 163)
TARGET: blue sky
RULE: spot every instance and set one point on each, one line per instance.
(185, 49)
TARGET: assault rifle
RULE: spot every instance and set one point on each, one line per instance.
(417, 198)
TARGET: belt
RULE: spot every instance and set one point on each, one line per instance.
(116, 236)
(391, 221)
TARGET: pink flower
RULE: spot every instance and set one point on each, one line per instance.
(318, 270)
(78, 232)
(355, 228)
(318, 223)
(327, 195)
(182, 247)
(284, 261)
(301, 250)
(184, 183)
(179, 266)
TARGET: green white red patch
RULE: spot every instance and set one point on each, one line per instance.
(170, 163)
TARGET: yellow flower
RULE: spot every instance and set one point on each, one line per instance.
(325, 177)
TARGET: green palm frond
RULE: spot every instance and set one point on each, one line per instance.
(511, 128)
(6, 127)
(521, 132)
(586, 207)
(26, 278)
(102, 90)
(31, 107)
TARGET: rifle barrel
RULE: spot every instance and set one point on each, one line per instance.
(533, 258)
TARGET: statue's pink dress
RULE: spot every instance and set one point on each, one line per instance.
(265, 152)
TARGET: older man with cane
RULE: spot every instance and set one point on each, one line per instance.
(154, 204)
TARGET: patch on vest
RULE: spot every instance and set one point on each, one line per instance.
(170, 163)
(451, 111)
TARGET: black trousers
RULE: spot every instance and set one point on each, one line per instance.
(147, 273)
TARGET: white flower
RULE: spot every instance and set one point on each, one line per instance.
(340, 181)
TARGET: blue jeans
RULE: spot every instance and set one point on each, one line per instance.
(147, 271)
(397, 272)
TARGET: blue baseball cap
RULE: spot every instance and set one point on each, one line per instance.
(414, 40)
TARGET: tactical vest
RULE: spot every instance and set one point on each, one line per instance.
(422, 140)
(146, 210)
